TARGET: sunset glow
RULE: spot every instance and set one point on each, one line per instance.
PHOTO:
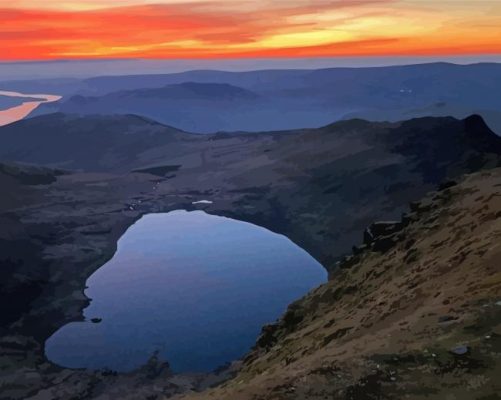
(32, 29)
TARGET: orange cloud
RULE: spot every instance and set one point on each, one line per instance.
(255, 28)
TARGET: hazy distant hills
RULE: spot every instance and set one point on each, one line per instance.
(210, 101)
(424, 79)
(198, 107)
(193, 91)
(202, 107)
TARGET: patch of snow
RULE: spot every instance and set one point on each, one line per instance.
(203, 202)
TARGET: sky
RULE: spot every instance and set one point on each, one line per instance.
(218, 29)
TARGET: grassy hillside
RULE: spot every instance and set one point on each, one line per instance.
(414, 313)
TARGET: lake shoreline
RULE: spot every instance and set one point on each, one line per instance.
(156, 373)
(17, 113)
(176, 260)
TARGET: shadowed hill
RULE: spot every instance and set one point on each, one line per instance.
(93, 143)
(17, 180)
(29, 174)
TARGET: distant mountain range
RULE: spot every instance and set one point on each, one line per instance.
(198, 107)
(285, 99)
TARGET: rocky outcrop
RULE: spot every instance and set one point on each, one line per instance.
(380, 229)
(379, 235)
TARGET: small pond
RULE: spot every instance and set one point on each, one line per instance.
(193, 286)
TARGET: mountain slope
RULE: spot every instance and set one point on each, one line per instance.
(414, 313)
(18, 180)
(94, 142)
(332, 182)
(349, 172)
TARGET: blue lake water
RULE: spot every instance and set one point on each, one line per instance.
(193, 286)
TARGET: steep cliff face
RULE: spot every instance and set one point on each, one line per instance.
(414, 313)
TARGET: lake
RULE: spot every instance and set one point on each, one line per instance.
(196, 287)
(19, 112)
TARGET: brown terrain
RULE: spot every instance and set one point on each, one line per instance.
(414, 313)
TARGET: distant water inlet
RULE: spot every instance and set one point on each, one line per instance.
(195, 287)
(19, 112)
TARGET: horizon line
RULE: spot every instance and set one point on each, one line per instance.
(230, 59)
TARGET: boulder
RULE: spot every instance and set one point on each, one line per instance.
(460, 350)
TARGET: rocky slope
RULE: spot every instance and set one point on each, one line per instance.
(414, 313)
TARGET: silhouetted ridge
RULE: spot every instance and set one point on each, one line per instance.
(62, 118)
(175, 92)
(475, 124)
(353, 123)
(127, 142)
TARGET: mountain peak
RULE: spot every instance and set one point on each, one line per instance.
(476, 124)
